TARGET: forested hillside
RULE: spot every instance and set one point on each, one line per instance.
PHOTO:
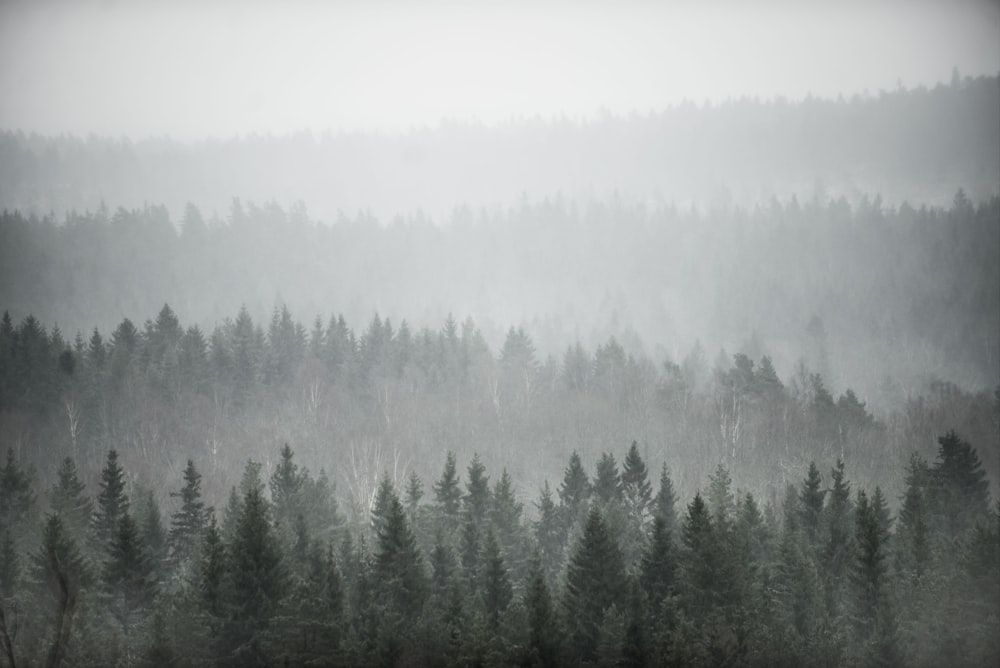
(885, 300)
(909, 144)
(453, 572)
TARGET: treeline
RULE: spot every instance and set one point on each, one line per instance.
(895, 295)
(909, 144)
(608, 573)
(357, 403)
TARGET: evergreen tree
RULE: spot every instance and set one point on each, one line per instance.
(721, 502)
(66, 499)
(574, 492)
(447, 495)
(873, 614)
(658, 565)
(665, 502)
(128, 577)
(154, 537)
(257, 577)
(913, 539)
(189, 522)
(10, 567)
(16, 497)
(607, 482)
(549, 534)
(595, 581)
(286, 494)
(496, 587)
(477, 491)
(959, 487)
(636, 489)
(700, 558)
(112, 503)
(414, 492)
(59, 572)
(544, 638)
(811, 504)
(211, 574)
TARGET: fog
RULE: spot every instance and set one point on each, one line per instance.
(468, 334)
(191, 71)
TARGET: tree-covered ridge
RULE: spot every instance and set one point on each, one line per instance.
(388, 397)
(910, 144)
(893, 295)
(610, 574)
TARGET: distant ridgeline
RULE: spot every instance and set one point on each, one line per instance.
(917, 145)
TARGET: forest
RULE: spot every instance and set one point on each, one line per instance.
(661, 336)
(611, 511)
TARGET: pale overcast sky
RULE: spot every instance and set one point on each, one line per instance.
(191, 70)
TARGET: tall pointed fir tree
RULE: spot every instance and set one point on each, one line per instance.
(544, 632)
(873, 615)
(477, 492)
(187, 525)
(665, 502)
(128, 580)
(112, 502)
(447, 495)
(67, 499)
(595, 581)
(496, 587)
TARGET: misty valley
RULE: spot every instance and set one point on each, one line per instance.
(712, 385)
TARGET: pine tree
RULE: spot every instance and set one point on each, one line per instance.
(700, 558)
(414, 492)
(959, 487)
(128, 577)
(112, 503)
(398, 564)
(66, 499)
(913, 539)
(496, 587)
(60, 572)
(477, 492)
(635, 485)
(188, 524)
(721, 501)
(574, 492)
(873, 614)
(666, 500)
(16, 497)
(257, 576)
(607, 482)
(211, 574)
(658, 565)
(544, 636)
(811, 504)
(447, 495)
(595, 581)
(286, 494)
(549, 534)
(154, 537)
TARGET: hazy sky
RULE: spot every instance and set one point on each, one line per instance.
(191, 70)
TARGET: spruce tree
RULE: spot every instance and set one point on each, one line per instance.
(549, 534)
(258, 579)
(665, 502)
(59, 573)
(112, 502)
(658, 565)
(959, 486)
(607, 481)
(128, 577)
(447, 495)
(477, 492)
(16, 497)
(595, 581)
(811, 505)
(187, 525)
(544, 635)
(636, 488)
(66, 499)
(496, 587)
